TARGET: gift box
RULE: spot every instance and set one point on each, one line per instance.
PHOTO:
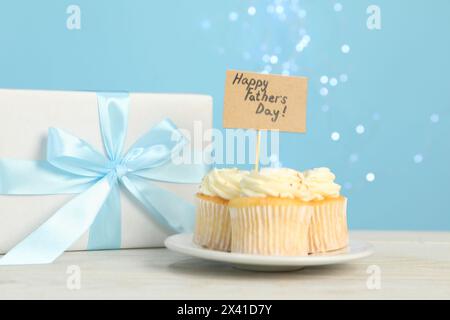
(25, 119)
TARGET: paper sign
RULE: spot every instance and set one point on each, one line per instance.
(261, 101)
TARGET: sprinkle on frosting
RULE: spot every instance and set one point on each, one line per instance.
(273, 182)
(223, 183)
(314, 184)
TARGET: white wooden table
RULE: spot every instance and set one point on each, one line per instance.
(411, 265)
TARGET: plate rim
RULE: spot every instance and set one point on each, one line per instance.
(366, 249)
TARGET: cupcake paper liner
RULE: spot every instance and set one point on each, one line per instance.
(328, 230)
(212, 226)
(280, 230)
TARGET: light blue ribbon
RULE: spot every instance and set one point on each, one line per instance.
(73, 166)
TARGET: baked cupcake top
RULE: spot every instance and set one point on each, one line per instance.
(320, 184)
(223, 183)
(273, 182)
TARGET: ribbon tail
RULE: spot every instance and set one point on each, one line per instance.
(165, 207)
(58, 233)
(105, 232)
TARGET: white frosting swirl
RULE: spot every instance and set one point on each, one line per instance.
(223, 183)
(320, 183)
(273, 182)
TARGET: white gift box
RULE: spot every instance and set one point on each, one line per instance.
(26, 115)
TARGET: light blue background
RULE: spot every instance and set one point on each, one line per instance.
(398, 77)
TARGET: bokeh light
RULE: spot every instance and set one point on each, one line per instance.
(335, 136)
(370, 177)
(233, 16)
(434, 118)
(251, 11)
(345, 48)
(418, 158)
(338, 7)
(360, 129)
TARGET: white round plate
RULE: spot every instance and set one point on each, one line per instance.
(183, 243)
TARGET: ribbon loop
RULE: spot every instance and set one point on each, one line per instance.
(74, 155)
(156, 147)
(113, 114)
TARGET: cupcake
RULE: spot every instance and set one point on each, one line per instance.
(269, 218)
(328, 230)
(212, 226)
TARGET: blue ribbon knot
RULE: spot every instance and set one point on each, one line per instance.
(73, 166)
(120, 170)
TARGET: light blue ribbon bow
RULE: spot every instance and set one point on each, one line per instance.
(73, 166)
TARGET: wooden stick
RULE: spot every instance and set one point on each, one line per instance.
(258, 144)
